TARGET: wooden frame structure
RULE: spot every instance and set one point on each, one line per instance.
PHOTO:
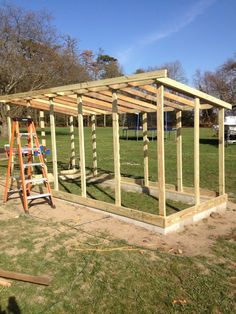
(143, 93)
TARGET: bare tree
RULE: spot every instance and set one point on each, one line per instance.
(33, 55)
(220, 83)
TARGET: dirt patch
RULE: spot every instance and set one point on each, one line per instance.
(195, 239)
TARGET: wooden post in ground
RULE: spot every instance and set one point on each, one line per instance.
(221, 152)
(54, 145)
(145, 149)
(161, 150)
(42, 127)
(28, 109)
(116, 148)
(94, 145)
(196, 152)
(87, 120)
(72, 142)
(8, 122)
(81, 145)
(104, 120)
(179, 151)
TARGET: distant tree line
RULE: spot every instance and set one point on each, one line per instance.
(34, 55)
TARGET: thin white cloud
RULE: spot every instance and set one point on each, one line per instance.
(196, 10)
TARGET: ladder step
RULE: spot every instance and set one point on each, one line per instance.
(27, 134)
(29, 149)
(36, 180)
(34, 164)
(32, 197)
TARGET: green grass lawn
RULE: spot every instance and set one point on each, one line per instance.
(138, 281)
(132, 164)
(141, 281)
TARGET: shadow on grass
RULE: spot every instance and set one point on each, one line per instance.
(12, 307)
(209, 141)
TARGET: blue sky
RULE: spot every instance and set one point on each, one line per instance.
(198, 33)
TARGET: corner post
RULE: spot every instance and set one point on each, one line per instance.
(179, 158)
(196, 151)
(54, 145)
(145, 149)
(94, 146)
(72, 142)
(81, 145)
(116, 148)
(42, 127)
(221, 152)
(161, 150)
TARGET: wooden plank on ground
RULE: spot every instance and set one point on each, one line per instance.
(40, 280)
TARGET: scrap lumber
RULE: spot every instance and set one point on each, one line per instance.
(4, 283)
(40, 280)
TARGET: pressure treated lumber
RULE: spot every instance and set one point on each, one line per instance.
(145, 149)
(8, 108)
(189, 91)
(221, 152)
(79, 88)
(40, 280)
(42, 127)
(161, 150)
(94, 145)
(116, 148)
(72, 142)
(54, 145)
(179, 151)
(81, 145)
(196, 152)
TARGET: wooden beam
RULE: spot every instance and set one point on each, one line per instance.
(179, 99)
(54, 145)
(221, 152)
(94, 145)
(116, 148)
(128, 102)
(81, 145)
(145, 149)
(78, 88)
(8, 109)
(179, 151)
(72, 142)
(161, 150)
(196, 152)
(40, 280)
(189, 91)
(42, 127)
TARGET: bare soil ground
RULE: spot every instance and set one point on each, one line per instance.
(195, 239)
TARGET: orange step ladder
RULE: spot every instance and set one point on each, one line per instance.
(27, 155)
